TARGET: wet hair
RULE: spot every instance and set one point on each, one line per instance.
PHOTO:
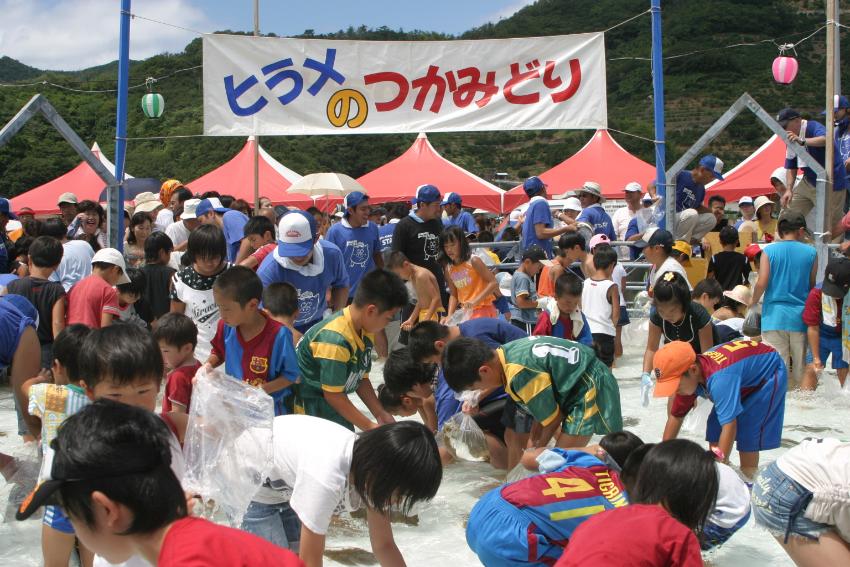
(388, 399)
(671, 286)
(156, 243)
(454, 234)
(46, 252)
(729, 236)
(182, 193)
(381, 288)
(239, 284)
(206, 242)
(258, 225)
(710, 286)
(619, 445)
(67, 347)
(402, 373)
(176, 329)
(136, 220)
(631, 468)
(716, 198)
(125, 453)
(395, 260)
(396, 465)
(681, 476)
(137, 284)
(123, 354)
(421, 339)
(568, 284)
(462, 358)
(54, 227)
(281, 299)
(604, 257)
(571, 240)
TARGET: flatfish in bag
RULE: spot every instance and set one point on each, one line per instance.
(228, 444)
(463, 438)
(697, 419)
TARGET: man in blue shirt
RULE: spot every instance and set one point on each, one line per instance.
(311, 265)
(357, 238)
(537, 227)
(802, 195)
(693, 219)
(590, 196)
(232, 223)
(456, 216)
(6, 215)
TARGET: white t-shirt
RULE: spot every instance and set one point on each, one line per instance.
(75, 264)
(312, 461)
(164, 219)
(620, 220)
(619, 277)
(177, 232)
(669, 265)
(733, 498)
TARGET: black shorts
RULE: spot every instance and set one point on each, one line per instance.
(489, 417)
(527, 328)
(516, 418)
(604, 345)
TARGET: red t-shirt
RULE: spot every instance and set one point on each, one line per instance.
(639, 535)
(89, 299)
(263, 251)
(178, 386)
(195, 542)
(813, 311)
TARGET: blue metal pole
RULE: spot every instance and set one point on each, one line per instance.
(121, 120)
(658, 99)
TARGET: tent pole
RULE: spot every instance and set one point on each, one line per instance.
(256, 137)
(658, 100)
(115, 198)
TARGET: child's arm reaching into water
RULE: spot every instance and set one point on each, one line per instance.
(381, 536)
(367, 393)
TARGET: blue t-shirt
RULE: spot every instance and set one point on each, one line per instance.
(311, 289)
(788, 287)
(359, 246)
(522, 284)
(385, 235)
(599, 221)
(689, 193)
(538, 213)
(233, 225)
(813, 130)
(494, 333)
(632, 230)
(464, 220)
(12, 326)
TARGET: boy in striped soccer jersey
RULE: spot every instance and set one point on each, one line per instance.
(560, 383)
(335, 355)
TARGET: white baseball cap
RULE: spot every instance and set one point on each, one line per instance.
(295, 234)
(114, 257)
(633, 187)
(745, 200)
(189, 208)
(572, 204)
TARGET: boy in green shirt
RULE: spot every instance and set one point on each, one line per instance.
(335, 355)
(557, 381)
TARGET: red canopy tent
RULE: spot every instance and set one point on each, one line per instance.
(751, 177)
(236, 177)
(421, 164)
(602, 160)
(82, 181)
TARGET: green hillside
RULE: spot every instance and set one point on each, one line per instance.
(699, 88)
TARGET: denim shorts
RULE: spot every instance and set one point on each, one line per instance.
(779, 504)
(277, 523)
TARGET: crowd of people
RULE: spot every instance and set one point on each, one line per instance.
(518, 339)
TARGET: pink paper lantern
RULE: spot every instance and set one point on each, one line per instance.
(784, 69)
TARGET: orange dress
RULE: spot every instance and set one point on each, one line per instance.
(468, 284)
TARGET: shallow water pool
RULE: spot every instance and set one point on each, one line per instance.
(439, 537)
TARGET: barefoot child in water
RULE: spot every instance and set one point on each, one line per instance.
(428, 306)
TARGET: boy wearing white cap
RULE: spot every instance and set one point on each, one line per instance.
(748, 211)
(67, 204)
(94, 301)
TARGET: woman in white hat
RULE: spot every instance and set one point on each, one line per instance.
(764, 224)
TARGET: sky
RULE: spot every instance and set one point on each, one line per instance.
(75, 34)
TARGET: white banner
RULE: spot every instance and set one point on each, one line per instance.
(275, 86)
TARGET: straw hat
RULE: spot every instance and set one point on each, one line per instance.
(761, 201)
(740, 293)
(147, 202)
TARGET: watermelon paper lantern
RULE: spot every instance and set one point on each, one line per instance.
(153, 104)
(785, 67)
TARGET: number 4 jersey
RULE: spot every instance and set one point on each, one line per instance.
(530, 521)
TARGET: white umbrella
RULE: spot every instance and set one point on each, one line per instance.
(325, 185)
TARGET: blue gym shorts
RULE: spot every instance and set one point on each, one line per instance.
(55, 518)
(829, 345)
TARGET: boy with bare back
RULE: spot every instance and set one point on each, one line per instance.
(428, 301)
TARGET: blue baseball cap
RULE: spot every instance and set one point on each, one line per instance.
(426, 194)
(353, 199)
(714, 165)
(840, 102)
(6, 208)
(297, 230)
(533, 185)
(451, 198)
(211, 204)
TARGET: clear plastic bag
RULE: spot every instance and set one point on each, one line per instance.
(20, 473)
(463, 439)
(228, 444)
(697, 419)
(752, 323)
(459, 316)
